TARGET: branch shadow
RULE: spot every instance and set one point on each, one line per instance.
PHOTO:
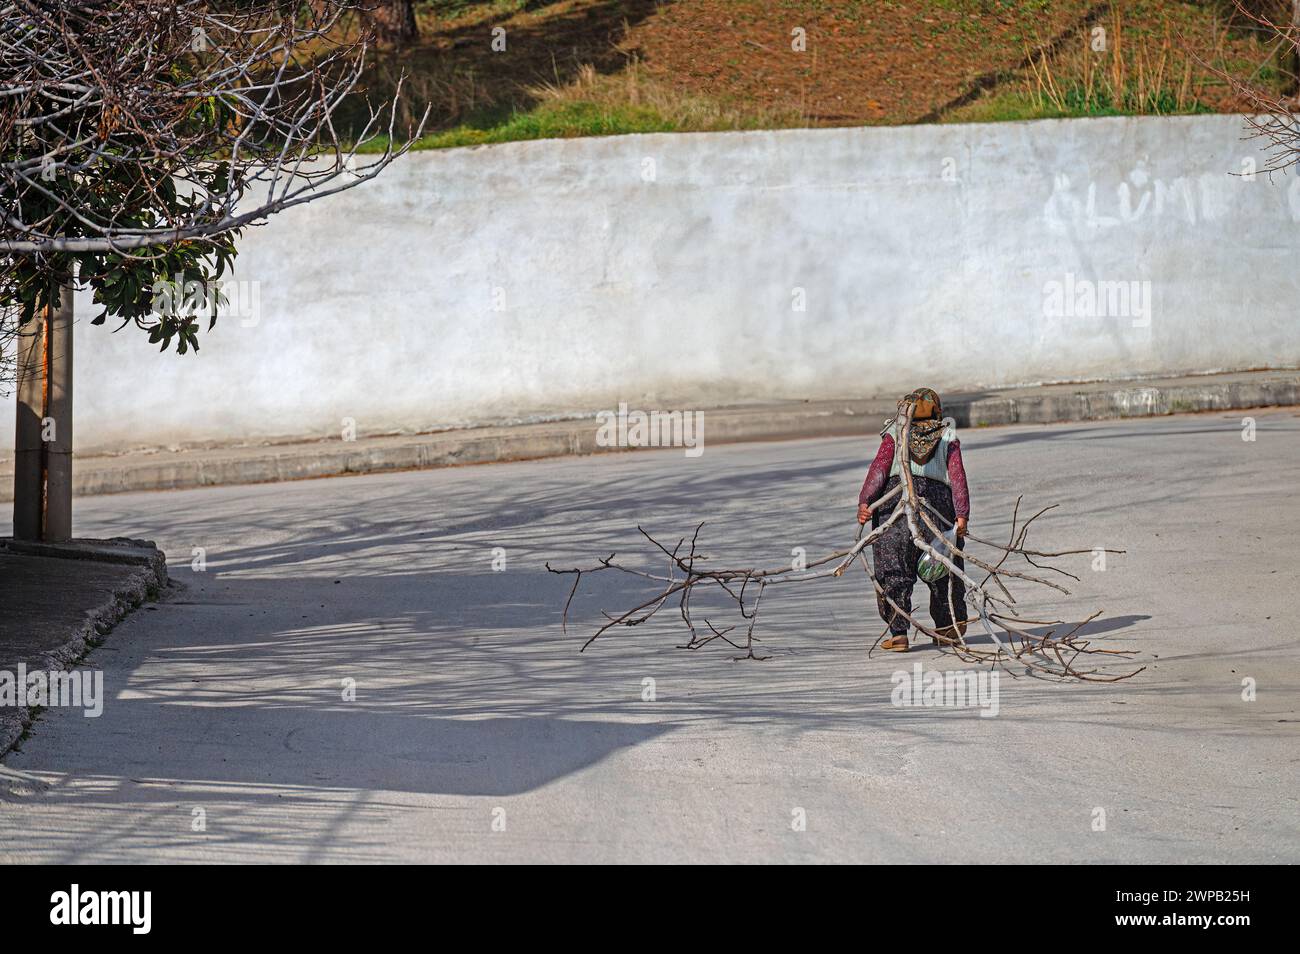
(466, 81)
(465, 684)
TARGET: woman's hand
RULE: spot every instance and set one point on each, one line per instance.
(961, 526)
(864, 513)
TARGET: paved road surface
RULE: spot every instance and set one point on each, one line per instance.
(226, 701)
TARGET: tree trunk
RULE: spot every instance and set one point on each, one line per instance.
(393, 21)
(43, 432)
(29, 470)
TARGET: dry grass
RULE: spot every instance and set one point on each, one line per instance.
(1110, 71)
(634, 88)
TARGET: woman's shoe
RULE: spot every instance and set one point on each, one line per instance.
(895, 644)
(953, 634)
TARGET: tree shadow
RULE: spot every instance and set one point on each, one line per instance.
(302, 741)
(230, 694)
(466, 80)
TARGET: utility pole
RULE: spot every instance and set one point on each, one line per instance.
(43, 431)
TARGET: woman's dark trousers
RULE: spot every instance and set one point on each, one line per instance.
(896, 557)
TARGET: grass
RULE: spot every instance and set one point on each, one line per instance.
(1117, 67)
(1018, 105)
(548, 121)
(594, 104)
(609, 67)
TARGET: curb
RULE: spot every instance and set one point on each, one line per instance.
(1120, 403)
(145, 582)
(790, 420)
(112, 550)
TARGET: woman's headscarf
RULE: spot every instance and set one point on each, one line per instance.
(927, 423)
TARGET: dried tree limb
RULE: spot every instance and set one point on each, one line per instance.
(1013, 648)
(181, 90)
(1270, 117)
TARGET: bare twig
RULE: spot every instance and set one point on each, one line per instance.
(1013, 647)
(216, 101)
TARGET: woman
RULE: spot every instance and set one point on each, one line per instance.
(934, 457)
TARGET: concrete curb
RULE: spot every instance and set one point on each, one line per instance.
(145, 582)
(113, 550)
(1139, 401)
(857, 417)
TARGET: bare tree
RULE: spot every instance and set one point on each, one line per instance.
(1012, 645)
(1271, 115)
(140, 136)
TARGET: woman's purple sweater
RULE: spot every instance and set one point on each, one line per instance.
(879, 472)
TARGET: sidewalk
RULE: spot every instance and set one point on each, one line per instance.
(174, 470)
(59, 600)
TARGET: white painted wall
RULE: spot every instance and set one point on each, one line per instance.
(674, 287)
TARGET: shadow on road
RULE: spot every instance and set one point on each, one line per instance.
(231, 694)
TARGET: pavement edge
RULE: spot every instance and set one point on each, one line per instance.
(144, 583)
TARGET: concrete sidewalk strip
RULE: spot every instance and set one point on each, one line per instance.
(60, 600)
(248, 464)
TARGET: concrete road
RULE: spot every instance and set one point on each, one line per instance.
(478, 732)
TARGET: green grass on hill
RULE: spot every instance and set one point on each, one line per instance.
(549, 121)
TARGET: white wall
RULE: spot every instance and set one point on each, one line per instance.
(378, 304)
